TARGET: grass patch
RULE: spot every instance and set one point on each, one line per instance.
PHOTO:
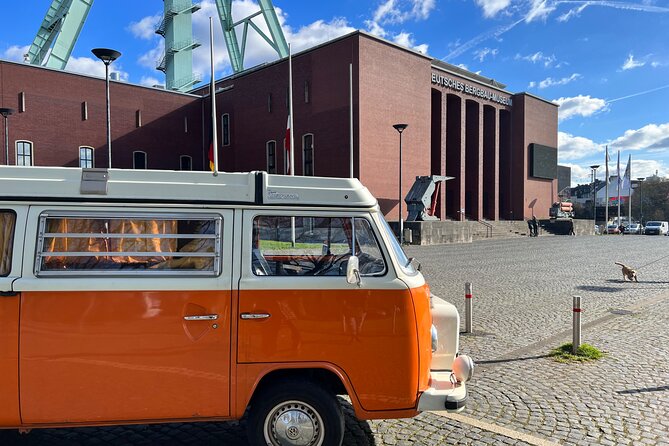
(585, 352)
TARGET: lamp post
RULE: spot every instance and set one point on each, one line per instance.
(640, 180)
(5, 112)
(594, 193)
(107, 56)
(400, 128)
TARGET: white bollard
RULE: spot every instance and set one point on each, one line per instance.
(468, 307)
(576, 338)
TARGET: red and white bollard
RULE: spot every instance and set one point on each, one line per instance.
(468, 307)
(576, 338)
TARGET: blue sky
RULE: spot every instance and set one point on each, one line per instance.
(605, 62)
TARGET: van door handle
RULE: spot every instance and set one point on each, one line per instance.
(255, 315)
(8, 293)
(202, 317)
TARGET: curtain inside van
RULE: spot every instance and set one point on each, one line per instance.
(7, 222)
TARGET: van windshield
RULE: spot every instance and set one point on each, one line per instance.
(653, 223)
(397, 250)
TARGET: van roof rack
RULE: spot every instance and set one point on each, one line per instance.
(125, 185)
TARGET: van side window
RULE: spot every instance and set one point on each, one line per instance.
(123, 244)
(7, 223)
(321, 247)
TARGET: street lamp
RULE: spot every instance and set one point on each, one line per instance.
(594, 193)
(107, 56)
(640, 180)
(5, 112)
(400, 128)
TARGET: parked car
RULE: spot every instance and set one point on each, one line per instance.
(612, 229)
(634, 228)
(657, 228)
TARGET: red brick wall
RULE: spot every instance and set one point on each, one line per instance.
(53, 119)
(394, 88)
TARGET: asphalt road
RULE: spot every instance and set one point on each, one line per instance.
(523, 290)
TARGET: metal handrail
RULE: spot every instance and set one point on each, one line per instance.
(488, 228)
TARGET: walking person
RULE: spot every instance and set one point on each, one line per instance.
(530, 227)
(571, 227)
(535, 226)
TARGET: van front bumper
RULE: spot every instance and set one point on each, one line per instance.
(443, 394)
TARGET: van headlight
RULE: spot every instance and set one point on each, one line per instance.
(435, 338)
(463, 368)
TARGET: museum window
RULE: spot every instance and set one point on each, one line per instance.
(139, 160)
(84, 111)
(307, 98)
(185, 162)
(24, 153)
(271, 156)
(86, 157)
(225, 129)
(22, 102)
(308, 155)
(269, 103)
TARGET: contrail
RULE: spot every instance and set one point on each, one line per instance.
(637, 94)
(617, 5)
(503, 29)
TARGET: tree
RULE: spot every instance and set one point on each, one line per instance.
(653, 197)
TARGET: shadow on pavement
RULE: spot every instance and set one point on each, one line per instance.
(231, 433)
(498, 361)
(643, 390)
(600, 289)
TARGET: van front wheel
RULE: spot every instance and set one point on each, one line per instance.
(295, 414)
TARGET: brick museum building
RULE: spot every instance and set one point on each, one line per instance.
(499, 147)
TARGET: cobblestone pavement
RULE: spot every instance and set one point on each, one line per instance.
(522, 308)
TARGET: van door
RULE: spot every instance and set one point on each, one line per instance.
(125, 315)
(296, 306)
(12, 222)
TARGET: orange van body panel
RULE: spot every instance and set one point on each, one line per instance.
(421, 300)
(9, 361)
(371, 335)
(105, 356)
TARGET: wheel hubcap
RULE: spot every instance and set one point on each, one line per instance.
(294, 423)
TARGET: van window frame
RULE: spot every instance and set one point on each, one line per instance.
(345, 215)
(216, 255)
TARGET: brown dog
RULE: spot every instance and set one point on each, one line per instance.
(628, 273)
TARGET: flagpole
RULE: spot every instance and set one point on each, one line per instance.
(606, 181)
(629, 190)
(290, 109)
(212, 93)
(619, 222)
(350, 124)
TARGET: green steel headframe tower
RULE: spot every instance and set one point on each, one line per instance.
(177, 29)
(58, 32)
(275, 39)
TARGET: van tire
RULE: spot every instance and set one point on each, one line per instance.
(321, 415)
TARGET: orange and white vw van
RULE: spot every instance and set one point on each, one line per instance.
(156, 296)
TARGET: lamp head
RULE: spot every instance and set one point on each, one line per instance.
(6, 111)
(400, 127)
(106, 55)
(596, 166)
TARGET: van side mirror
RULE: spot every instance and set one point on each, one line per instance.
(352, 270)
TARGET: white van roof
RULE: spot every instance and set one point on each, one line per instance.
(118, 185)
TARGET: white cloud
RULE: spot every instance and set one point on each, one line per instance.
(492, 7)
(149, 81)
(375, 29)
(579, 106)
(16, 53)
(572, 147)
(575, 12)
(579, 174)
(94, 67)
(405, 39)
(145, 28)
(538, 57)
(485, 52)
(550, 82)
(650, 137)
(400, 11)
(630, 63)
(539, 10)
